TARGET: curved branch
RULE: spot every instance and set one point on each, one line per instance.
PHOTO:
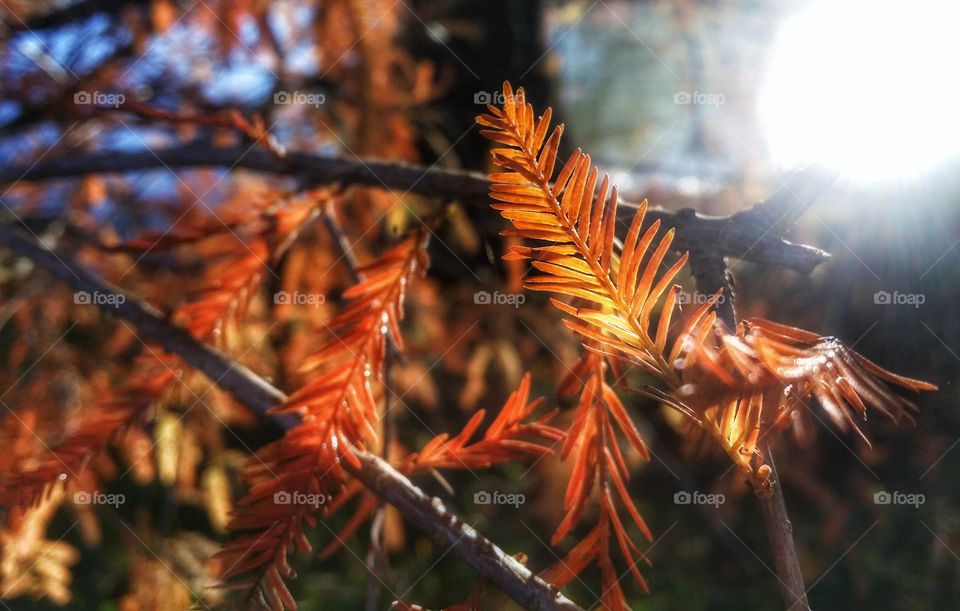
(428, 514)
(751, 234)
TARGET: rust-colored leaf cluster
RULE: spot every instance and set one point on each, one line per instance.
(211, 269)
(510, 437)
(339, 408)
(591, 444)
(740, 387)
(745, 388)
(223, 293)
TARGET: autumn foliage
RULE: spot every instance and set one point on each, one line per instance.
(375, 326)
(740, 387)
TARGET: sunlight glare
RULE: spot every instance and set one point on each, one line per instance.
(869, 90)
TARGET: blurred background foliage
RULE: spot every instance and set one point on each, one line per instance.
(401, 80)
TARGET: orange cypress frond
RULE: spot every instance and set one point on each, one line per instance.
(235, 277)
(236, 247)
(753, 384)
(301, 473)
(340, 396)
(598, 463)
(367, 506)
(577, 215)
(508, 438)
(67, 460)
(578, 558)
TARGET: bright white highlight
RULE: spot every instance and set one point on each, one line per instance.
(870, 90)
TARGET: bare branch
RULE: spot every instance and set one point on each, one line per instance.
(751, 234)
(434, 519)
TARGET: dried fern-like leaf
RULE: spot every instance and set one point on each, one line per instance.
(749, 386)
(69, 459)
(577, 215)
(299, 475)
(339, 397)
(599, 464)
(32, 564)
(508, 438)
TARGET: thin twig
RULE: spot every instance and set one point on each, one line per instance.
(779, 529)
(711, 274)
(777, 213)
(377, 554)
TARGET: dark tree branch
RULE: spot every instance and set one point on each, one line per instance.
(486, 558)
(752, 234)
(711, 274)
(428, 514)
